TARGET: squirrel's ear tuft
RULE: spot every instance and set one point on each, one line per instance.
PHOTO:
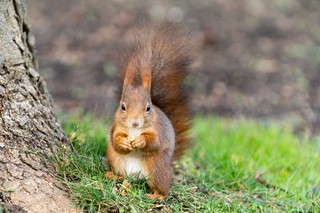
(146, 75)
(130, 72)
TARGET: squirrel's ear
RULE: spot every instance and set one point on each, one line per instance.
(146, 75)
(129, 76)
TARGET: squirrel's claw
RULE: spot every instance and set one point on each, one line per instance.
(125, 144)
(139, 143)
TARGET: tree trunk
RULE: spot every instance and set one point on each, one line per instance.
(28, 126)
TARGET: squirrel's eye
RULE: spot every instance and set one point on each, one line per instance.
(148, 109)
(123, 107)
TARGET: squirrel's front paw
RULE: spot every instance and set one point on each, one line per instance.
(139, 143)
(124, 144)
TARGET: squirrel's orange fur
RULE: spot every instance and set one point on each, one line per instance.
(151, 123)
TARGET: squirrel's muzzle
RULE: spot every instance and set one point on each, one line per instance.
(135, 122)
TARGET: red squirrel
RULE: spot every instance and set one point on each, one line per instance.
(151, 123)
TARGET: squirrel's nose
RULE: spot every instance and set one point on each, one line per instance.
(135, 124)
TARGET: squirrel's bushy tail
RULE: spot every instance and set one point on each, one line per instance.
(166, 51)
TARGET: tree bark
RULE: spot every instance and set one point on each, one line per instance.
(28, 126)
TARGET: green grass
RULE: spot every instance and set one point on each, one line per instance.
(236, 165)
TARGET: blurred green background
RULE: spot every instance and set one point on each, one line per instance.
(255, 58)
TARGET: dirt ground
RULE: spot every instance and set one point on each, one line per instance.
(255, 58)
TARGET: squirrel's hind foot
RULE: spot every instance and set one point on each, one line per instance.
(111, 175)
(156, 195)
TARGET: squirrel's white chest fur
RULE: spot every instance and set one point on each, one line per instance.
(132, 163)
